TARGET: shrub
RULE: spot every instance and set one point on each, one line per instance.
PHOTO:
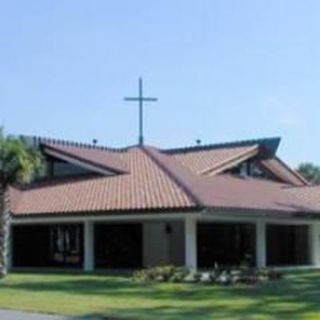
(161, 274)
(244, 274)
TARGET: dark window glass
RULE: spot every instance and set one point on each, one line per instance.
(227, 244)
(118, 246)
(48, 246)
(287, 245)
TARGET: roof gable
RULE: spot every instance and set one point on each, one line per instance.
(216, 160)
(96, 160)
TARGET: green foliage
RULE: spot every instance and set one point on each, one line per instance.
(18, 162)
(310, 171)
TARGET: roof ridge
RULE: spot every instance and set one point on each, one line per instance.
(269, 141)
(190, 194)
(37, 140)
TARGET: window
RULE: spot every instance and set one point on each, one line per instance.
(58, 168)
(250, 169)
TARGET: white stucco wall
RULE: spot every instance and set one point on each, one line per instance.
(161, 247)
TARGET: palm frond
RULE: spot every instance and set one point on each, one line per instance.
(18, 162)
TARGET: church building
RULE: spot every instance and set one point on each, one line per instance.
(99, 208)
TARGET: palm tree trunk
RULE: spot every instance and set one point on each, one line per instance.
(4, 228)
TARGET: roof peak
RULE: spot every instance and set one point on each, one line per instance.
(271, 144)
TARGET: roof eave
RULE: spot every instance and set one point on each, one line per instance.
(264, 212)
(114, 212)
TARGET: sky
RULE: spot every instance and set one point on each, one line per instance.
(221, 69)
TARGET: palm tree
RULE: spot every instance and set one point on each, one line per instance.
(19, 163)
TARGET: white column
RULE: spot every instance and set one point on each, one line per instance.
(88, 264)
(314, 231)
(261, 248)
(191, 243)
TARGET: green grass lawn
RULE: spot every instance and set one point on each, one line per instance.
(295, 297)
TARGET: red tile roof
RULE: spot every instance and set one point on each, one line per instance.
(231, 192)
(145, 187)
(226, 191)
(309, 195)
(148, 179)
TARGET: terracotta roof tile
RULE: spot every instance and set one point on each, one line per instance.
(308, 194)
(226, 191)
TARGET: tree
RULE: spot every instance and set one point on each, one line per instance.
(19, 163)
(310, 171)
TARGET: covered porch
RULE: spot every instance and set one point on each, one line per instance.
(198, 241)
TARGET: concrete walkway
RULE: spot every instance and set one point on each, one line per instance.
(15, 315)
